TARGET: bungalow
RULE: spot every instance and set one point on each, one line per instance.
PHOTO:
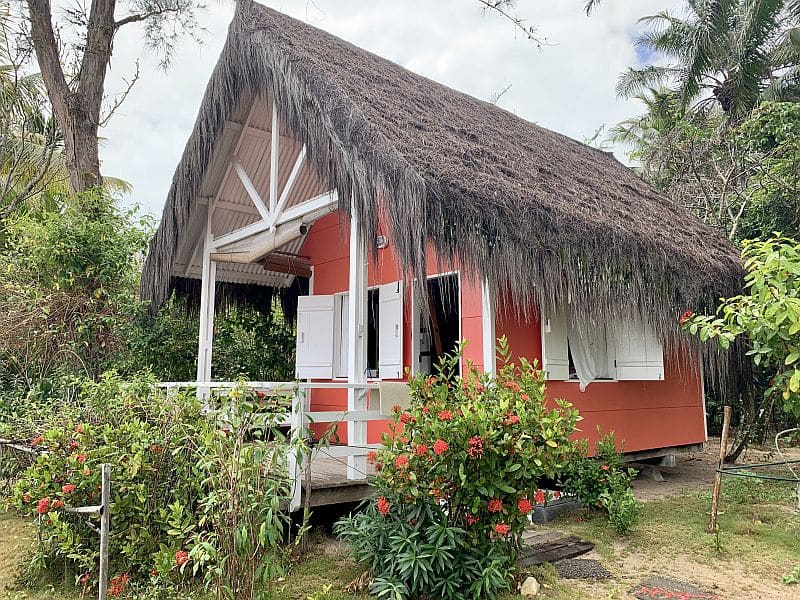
(396, 216)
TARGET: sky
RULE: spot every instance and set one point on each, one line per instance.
(566, 85)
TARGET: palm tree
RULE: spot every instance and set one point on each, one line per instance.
(729, 52)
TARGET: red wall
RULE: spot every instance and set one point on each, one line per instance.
(327, 245)
(644, 414)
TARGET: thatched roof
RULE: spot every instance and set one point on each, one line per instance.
(530, 209)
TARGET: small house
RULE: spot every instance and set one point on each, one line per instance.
(396, 216)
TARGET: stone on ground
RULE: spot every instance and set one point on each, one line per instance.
(581, 568)
(530, 587)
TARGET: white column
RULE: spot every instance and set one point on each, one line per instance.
(207, 291)
(488, 332)
(357, 344)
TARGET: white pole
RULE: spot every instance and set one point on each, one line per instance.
(105, 527)
(207, 293)
(487, 326)
(357, 346)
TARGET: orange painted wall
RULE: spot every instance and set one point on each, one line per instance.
(644, 414)
(327, 245)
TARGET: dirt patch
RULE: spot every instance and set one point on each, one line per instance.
(696, 471)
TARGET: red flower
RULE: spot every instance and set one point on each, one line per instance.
(685, 317)
(79, 428)
(81, 458)
(502, 528)
(260, 394)
(117, 584)
(475, 449)
(372, 456)
(495, 505)
(430, 380)
(440, 447)
(512, 420)
(445, 415)
(397, 409)
(181, 557)
(524, 505)
(68, 488)
(43, 505)
(84, 578)
(421, 450)
(479, 388)
(512, 385)
(539, 497)
(471, 519)
(382, 505)
(401, 462)
(525, 397)
(604, 467)
(406, 418)
(556, 495)
(425, 410)
(57, 504)
(37, 440)
(86, 471)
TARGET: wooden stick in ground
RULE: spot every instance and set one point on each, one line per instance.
(306, 500)
(723, 450)
(105, 526)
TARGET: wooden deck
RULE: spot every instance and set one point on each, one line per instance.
(329, 483)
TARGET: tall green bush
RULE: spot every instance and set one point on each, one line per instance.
(457, 478)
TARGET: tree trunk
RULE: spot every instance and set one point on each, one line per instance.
(76, 106)
(81, 147)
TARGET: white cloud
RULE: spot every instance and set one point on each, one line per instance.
(567, 86)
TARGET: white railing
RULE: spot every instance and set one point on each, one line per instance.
(300, 415)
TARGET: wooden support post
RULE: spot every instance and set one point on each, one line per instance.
(488, 330)
(723, 450)
(292, 466)
(105, 527)
(357, 344)
(207, 299)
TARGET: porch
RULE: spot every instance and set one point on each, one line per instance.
(330, 473)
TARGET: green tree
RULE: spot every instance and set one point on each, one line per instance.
(766, 316)
(726, 52)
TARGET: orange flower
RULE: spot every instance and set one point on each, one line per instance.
(81, 458)
(372, 456)
(524, 505)
(382, 505)
(539, 497)
(37, 440)
(181, 557)
(68, 488)
(440, 447)
(502, 528)
(43, 506)
(604, 467)
(57, 504)
(512, 420)
(445, 415)
(401, 462)
(495, 505)
(421, 450)
(685, 317)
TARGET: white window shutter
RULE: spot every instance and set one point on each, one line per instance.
(639, 354)
(555, 351)
(314, 357)
(390, 331)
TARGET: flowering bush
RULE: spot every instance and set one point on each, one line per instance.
(467, 455)
(170, 510)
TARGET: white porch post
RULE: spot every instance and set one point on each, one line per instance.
(207, 291)
(488, 332)
(357, 344)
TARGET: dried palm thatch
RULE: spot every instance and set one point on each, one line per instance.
(533, 211)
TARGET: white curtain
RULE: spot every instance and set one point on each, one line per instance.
(587, 345)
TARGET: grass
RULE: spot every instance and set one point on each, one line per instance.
(758, 530)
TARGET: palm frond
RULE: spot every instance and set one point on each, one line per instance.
(635, 81)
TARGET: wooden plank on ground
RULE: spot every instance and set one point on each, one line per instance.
(567, 547)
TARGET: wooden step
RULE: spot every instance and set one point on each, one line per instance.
(566, 547)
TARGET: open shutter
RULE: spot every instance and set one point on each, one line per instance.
(314, 337)
(639, 354)
(555, 352)
(390, 331)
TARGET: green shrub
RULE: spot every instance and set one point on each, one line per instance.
(189, 497)
(457, 479)
(603, 481)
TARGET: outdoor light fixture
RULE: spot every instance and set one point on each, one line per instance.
(381, 242)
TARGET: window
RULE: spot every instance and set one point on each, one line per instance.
(342, 318)
(574, 351)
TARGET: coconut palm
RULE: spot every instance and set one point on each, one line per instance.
(730, 52)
